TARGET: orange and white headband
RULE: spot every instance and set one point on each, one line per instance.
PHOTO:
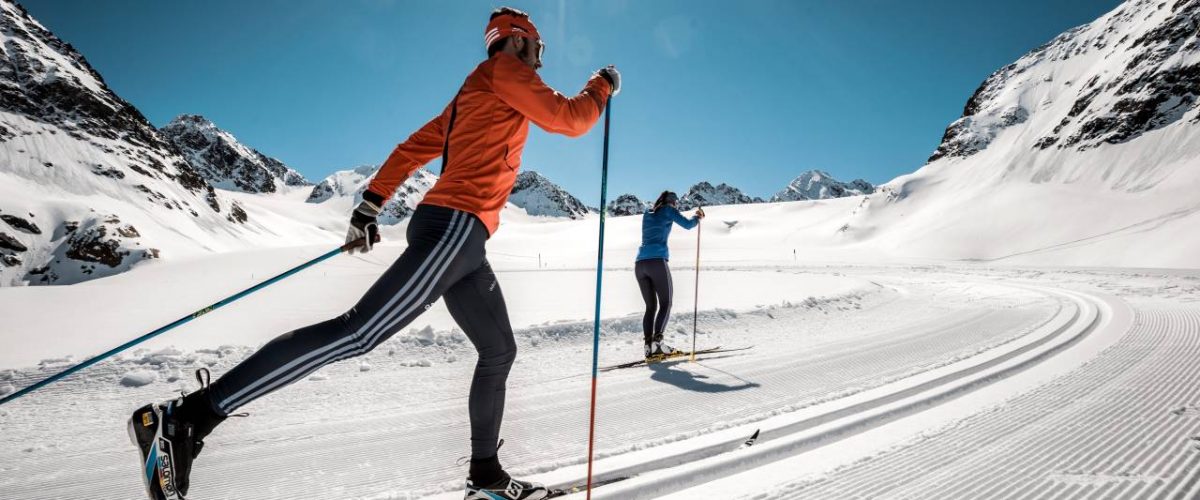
(508, 25)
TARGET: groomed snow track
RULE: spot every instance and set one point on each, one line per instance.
(1119, 427)
(794, 433)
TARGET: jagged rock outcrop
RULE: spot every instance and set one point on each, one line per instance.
(539, 196)
(626, 204)
(224, 161)
(704, 194)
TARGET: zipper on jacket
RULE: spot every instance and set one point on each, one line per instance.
(449, 130)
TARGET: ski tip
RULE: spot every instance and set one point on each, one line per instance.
(753, 438)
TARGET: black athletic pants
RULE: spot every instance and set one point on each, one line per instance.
(654, 278)
(445, 258)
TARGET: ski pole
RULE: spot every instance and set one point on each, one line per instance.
(696, 299)
(96, 359)
(599, 277)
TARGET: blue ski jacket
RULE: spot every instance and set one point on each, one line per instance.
(656, 227)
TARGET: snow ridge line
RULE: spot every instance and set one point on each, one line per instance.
(788, 435)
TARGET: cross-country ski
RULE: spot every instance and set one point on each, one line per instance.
(673, 356)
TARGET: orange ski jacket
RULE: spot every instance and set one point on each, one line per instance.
(482, 133)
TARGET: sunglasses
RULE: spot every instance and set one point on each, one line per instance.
(541, 49)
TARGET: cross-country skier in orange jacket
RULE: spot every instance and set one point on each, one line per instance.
(480, 136)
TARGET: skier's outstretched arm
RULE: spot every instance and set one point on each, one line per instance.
(684, 222)
(519, 86)
(420, 148)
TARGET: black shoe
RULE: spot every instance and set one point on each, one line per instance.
(507, 489)
(169, 441)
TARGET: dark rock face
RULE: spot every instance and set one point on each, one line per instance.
(237, 214)
(224, 161)
(9, 243)
(704, 194)
(626, 204)
(20, 224)
(94, 245)
(1148, 103)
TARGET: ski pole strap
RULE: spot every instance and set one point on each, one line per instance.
(223, 302)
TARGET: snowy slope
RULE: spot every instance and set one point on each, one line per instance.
(539, 196)
(1082, 152)
(224, 161)
(343, 189)
(819, 185)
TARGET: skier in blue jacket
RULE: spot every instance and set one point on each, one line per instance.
(653, 274)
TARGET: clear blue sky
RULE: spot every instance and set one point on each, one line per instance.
(745, 92)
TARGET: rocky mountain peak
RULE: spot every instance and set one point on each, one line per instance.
(540, 196)
(703, 194)
(819, 185)
(226, 162)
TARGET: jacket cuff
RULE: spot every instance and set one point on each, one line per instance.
(374, 197)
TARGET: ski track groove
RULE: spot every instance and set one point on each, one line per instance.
(1105, 430)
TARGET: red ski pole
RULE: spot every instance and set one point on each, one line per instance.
(696, 298)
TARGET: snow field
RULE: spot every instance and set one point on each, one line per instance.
(397, 429)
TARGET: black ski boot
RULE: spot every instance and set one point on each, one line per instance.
(506, 489)
(488, 481)
(169, 436)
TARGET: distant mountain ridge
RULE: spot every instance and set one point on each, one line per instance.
(349, 185)
(539, 196)
(224, 161)
(819, 185)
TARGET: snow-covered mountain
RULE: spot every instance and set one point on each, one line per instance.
(88, 187)
(626, 204)
(1131, 72)
(224, 161)
(704, 194)
(1083, 151)
(819, 185)
(346, 187)
(539, 196)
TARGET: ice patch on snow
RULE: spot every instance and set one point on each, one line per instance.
(139, 378)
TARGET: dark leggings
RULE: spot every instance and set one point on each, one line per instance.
(654, 278)
(445, 258)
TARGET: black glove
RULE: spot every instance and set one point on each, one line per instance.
(613, 76)
(364, 227)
